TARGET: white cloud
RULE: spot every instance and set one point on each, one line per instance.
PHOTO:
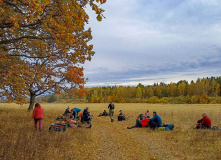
(163, 36)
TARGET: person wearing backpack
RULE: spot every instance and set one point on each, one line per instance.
(38, 116)
(111, 111)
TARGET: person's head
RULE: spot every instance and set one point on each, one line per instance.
(86, 108)
(37, 104)
(154, 113)
(204, 115)
(110, 102)
(120, 111)
(71, 117)
(104, 110)
(147, 111)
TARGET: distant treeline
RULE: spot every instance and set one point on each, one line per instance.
(206, 90)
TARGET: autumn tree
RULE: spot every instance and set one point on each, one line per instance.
(43, 44)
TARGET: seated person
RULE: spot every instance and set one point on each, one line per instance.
(147, 114)
(121, 116)
(155, 122)
(104, 114)
(75, 112)
(203, 123)
(140, 122)
(86, 117)
(67, 111)
(72, 122)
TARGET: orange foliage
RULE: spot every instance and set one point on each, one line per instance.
(42, 46)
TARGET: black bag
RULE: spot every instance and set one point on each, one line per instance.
(58, 127)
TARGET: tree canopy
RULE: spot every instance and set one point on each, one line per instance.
(43, 44)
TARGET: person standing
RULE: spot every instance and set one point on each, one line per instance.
(111, 111)
(38, 116)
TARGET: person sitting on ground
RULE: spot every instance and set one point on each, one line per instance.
(203, 123)
(67, 111)
(72, 122)
(140, 122)
(155, 122)
(104, 114)
(121, 116)
(147, 114)
(75, 112)
(86, 117)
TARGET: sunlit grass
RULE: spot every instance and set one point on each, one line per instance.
(106, 140)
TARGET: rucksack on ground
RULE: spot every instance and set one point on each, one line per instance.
(58, 127)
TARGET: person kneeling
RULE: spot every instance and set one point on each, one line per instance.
(143, 122)
(203, 123)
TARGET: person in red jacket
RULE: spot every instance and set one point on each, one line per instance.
(38, 115)
(142, 122)
(203, 123)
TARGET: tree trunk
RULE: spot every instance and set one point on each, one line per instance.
(32, 101)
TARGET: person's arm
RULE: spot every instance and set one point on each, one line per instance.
(154, 118)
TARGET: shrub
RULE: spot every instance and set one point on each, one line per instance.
(204, 99)
(154, 99)
(195, 99)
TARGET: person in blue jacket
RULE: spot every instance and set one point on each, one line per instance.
(67, 111)
(75, 112)
(155, 122)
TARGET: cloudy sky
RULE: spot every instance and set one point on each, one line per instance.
(152, 41)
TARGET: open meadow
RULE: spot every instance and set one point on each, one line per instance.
(110, 141)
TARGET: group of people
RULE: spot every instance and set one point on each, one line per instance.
(143, 120)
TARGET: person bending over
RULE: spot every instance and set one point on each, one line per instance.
(75, 112)
(142, 122)
(155, 122)
(203, 123)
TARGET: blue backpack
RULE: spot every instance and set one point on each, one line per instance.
(168, 127)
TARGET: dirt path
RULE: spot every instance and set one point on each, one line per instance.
(117, 142)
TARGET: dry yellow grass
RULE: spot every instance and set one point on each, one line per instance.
(110, 141)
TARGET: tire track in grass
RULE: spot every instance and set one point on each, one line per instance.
(117, 142)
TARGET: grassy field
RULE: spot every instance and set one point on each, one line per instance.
(111, 141)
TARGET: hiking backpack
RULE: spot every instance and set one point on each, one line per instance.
(58, 127)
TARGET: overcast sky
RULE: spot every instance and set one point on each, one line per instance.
(152, 41)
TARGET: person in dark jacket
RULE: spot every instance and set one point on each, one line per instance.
(38, 115)
(121, 116)
(67, 111)
(111, 111)
(155, 122)
(104, 114)
(204, 123)
(140, 122)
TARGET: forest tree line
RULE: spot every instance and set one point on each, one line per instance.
(205, 90)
